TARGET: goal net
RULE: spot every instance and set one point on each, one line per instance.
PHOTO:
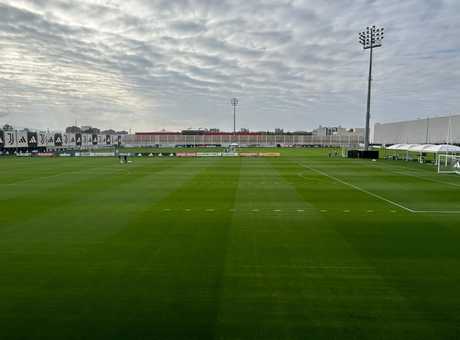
(448, 164)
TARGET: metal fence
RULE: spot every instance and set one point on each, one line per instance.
(172, 140)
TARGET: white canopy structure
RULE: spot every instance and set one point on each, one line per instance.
(426, 148)
(443, 148)
(403, 147)
(394, 147)
(419, 148)
(408, 147)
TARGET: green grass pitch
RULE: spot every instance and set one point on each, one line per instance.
(296, 247)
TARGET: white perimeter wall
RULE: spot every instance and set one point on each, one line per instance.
(430, 130)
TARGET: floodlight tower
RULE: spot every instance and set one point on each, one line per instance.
(370, 39)
(234, 103)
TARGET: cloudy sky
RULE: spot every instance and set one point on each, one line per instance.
(173, 64)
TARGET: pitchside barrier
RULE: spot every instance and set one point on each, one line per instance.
(27, 154)
(209, 154)
(144, 154)
(228, 154)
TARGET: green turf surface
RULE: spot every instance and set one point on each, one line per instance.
(296, 247)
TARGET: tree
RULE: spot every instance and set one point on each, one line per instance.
(7, 127)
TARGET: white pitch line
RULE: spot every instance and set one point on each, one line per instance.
(450, 212)
(300, 210)
(381, 197)
(428, 179)
(405, 171)
(359, 189)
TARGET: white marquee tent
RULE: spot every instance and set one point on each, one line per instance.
(444, 148)
(419, 148)
(394, 147)
(426, 148)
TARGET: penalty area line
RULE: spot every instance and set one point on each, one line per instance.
(452, 212)
(359, 189)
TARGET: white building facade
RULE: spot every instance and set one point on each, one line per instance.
(437, 130)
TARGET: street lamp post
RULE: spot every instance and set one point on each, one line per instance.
(370, 39)
(234, 103)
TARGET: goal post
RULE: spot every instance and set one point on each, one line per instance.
(448, 164)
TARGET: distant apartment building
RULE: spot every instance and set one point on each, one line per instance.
(324, 131)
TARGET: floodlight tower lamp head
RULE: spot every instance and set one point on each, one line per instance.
(372, 37)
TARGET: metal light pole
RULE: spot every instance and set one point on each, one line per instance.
(234, 103)
(370, 39)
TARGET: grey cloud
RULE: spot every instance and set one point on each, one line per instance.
(174, 64)
(188, 27)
